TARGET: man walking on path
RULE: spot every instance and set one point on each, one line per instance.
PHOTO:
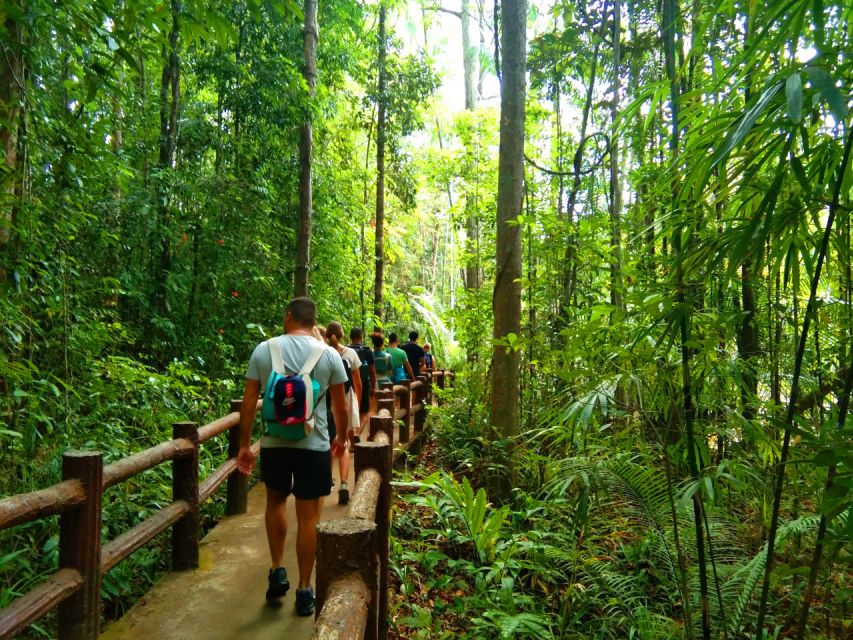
(367, 372)
(414, 353)
(399, 360)
(298, 466)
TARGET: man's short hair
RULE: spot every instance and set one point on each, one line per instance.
(392, 338)
(303, 311)
(378, 340)
(356, 334)
(413, 335)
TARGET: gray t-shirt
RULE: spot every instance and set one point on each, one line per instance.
(295, 351)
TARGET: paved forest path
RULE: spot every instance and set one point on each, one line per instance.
(224, 598)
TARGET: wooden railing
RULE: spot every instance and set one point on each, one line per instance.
(353, 552)
(74, 589)
(83, 559)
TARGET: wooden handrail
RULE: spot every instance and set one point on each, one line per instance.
(344, 614)
(38, 601)
(121, 547)
(126, 468)
(75, 587)
(223, 424)
(353, 605)
(35, 505)
(207, 488)
(362, 505)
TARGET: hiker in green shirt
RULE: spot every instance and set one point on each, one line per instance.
(402, 370)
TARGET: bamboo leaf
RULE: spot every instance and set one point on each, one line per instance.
(824, 83)
(747, 122)
(794, 97)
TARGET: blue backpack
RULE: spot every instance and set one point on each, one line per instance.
(290, 400)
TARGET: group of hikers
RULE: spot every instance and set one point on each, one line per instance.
(318, 395)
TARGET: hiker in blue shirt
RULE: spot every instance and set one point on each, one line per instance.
(295, 371)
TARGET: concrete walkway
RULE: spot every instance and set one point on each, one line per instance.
(224, 598)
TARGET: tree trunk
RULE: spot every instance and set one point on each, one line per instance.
(303, 231)
(170, 97)
(616, 284)
(668, 33)
(639, 147)
(747, 342)
(11, 92)
(506, 300)
(380, 170)
(473, 270)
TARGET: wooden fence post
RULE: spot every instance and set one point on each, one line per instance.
(185, 532)
(80, 547)
(385, 400)
(341, 546)
(378, 456)
(421, 399)
(385, 425)
(440, 376)
(237, 490)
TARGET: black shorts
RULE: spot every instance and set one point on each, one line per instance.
(306, 474)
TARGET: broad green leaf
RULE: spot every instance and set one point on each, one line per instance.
(794, 96)
(825, 84)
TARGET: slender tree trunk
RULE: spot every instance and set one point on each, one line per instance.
(473, 270)
(303, 231)
(380, 170)
(506, 300)
(11, 93)
(170, 98)
(793, 396)
(747, 342)
(481, 27)
(616, 282)
(669, 36)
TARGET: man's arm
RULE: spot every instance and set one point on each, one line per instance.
(372, 369)
(409, 370)
(422, 363)
(248, 408)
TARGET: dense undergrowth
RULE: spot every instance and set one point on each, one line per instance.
(591, 543)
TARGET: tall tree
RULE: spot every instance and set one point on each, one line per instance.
(11, 92)
(616, 285)
(506, 299)
(473, 269)
(381, 135)
(670, 34)
(170, 100)
(303, 231)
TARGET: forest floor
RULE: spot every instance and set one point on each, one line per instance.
(408, 599)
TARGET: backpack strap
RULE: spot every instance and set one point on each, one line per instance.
(276, 355)
(306, 370)
(313, 359)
